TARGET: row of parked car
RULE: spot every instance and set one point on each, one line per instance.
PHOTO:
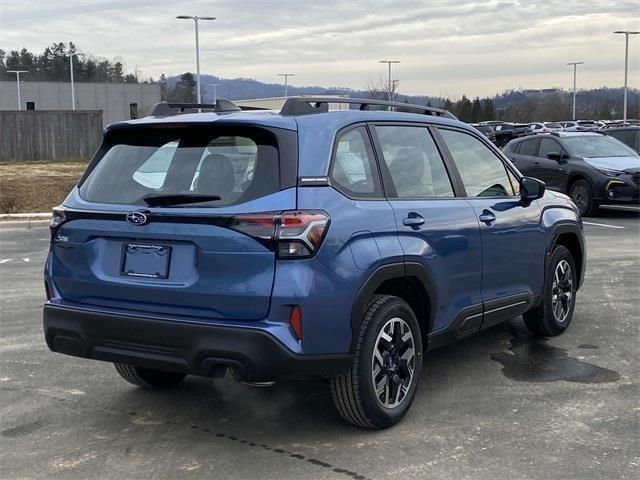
(501, 133)
(592, 167)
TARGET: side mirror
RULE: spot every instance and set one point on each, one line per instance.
(531, 189)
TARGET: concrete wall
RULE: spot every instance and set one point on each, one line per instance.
(112, 98)
(49, 135)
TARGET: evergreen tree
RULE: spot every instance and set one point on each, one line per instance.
(476, 110)
(488, 110)
(463, 109)
(163, 87)
(184, 90)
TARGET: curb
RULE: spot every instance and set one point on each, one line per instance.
(24, 217)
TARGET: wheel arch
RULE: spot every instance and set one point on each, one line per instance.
(574, 177)
(409, 281)
(569, 236)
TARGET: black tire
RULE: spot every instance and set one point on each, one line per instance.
(353, 393)
(147, 377)
(581, 195)
(542, 320)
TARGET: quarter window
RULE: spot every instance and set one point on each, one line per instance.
(528, 147)
(483, 173)
(414, 162)
(353, 169)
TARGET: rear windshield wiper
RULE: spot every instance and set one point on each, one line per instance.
(154, 200)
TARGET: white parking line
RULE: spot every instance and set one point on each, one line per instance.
(602, 225)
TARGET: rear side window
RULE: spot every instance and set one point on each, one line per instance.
(483, 173)
(236, 164)
(414, 162)
(528, 147)
(353, 168)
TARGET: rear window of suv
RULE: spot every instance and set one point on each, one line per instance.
(238, 164)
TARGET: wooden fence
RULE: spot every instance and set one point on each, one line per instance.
(49, 134)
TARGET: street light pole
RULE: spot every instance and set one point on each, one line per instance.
(575, 65)
(215, 91)
(196, 19)
(286, 81)
(18, 72)
(389, 84)
(73, 89)
(626, 68)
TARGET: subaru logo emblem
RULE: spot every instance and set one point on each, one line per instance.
(137, 218)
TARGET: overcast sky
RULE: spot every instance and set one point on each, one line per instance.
(446, 47)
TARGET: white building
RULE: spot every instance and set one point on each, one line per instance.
(118, 101)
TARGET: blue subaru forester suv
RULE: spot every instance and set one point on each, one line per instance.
(303, 242)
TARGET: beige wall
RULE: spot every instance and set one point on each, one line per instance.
(112, 98)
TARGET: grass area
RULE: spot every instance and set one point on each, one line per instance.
(36, 186)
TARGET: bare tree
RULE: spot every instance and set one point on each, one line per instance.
(380, 90)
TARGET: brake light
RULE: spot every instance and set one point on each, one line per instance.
(300, 233)
(295, 234)
(58, 217)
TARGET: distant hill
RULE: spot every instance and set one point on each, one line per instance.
(245, 88)
(511, 105)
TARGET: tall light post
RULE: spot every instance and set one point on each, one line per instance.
(215, 91)
(18, 72)
(286, 81)
(575, 65)
(196, 19)
(626, 67)
(389, 84)
(73, 88)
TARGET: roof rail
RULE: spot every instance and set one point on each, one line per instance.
(221, 106)
(308, 105)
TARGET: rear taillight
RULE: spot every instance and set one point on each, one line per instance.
(294, 234)
(300, 234)
(58, 217)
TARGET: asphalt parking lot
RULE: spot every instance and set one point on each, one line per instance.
(501, 405)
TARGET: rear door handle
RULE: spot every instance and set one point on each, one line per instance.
(487, 217)
(413, 220)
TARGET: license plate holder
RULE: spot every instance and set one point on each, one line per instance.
(145, 260)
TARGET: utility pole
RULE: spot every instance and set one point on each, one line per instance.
(389, 84)
(575, 64)
(286, 81)
(215, 91)
(626, 68)
(196, 19)
(18, 72)
(73, 89)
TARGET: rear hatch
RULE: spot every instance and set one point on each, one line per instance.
(174, 219)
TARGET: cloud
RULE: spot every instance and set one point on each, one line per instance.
(447, 47)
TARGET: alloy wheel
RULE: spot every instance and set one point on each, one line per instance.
(562, 291)
(580, 197)
(393, 363)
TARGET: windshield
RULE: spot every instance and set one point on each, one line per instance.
(227, 165)
(597, 146)
(552, 125)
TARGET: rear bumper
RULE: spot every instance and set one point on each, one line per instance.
(196, 349)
